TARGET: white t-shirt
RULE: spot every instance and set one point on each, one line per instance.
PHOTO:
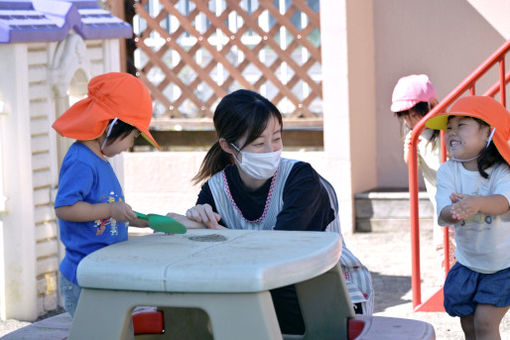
(483, 242)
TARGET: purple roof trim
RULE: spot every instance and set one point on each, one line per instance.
(84, 3)
(51, 20)
(97, 23)
(16, 4)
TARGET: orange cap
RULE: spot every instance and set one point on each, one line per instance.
(485, 108)
(111, 95)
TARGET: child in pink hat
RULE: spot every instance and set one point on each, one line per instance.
(413, 97)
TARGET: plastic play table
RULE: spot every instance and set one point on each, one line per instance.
(226, 273)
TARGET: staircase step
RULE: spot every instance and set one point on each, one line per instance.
(378, 225)
(388, 209)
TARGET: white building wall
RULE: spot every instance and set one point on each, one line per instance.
(43, 180)
(32, 87)
(95, 53)
(17, 254)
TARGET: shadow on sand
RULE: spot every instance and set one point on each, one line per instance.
(390, 290)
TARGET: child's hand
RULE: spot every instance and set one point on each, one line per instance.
(407, 141)
(464, 206)
(455, 197)
(203, 213)
(122, 212)
(139, 223)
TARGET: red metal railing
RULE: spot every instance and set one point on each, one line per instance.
(469, 84)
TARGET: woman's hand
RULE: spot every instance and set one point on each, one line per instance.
(203, 213)
(188, 223)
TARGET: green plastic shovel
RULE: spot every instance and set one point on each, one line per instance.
(164, 224)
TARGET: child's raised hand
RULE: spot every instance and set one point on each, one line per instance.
(407, 141)
(455, 197)
(122, 212)
(464, 206)
(204, 213)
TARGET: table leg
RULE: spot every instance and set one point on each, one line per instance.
(106, 314)
(325, 305)
(102, 315)
(232, 316)
(247, 316)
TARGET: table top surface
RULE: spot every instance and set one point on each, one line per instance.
(211, 261)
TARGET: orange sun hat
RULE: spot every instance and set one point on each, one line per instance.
(110, 95)
(485, 108)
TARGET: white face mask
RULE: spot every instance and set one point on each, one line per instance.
(258, 165)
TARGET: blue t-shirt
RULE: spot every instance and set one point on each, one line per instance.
(86, 177)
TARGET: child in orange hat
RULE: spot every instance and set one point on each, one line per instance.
(90, 203)
(473, 194)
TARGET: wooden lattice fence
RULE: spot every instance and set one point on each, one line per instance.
(190, 53)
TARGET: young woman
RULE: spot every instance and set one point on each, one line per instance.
(249, 186)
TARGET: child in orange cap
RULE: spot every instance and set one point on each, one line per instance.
(473, 194)
(90, 204)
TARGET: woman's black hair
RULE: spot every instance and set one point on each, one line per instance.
(421, 108)
(240, 113)
(489, 155)
(119, 130)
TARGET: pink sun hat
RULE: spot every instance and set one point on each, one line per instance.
(410, 90)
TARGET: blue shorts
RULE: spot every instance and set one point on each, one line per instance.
(70, 293)
(464, 289)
